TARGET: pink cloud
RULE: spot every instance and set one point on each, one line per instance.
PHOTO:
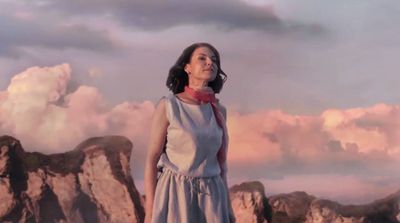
(351, 156)
(269, 144)
(32, 110)
(272, 136)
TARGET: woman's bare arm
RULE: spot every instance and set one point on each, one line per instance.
(158, 132)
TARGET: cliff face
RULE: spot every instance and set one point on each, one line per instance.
(301, 207)
(386, 210)
(251, 205)
(291, 207)
(92, 183)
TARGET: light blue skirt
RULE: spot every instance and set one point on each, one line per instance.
(184, 199)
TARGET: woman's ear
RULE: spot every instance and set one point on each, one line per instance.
(187, 68)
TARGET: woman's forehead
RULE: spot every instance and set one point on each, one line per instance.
(204, 50)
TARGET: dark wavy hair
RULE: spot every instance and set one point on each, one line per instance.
(178, 78)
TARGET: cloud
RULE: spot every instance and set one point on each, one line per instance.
(37, 101)
(95, 72)
(45, 31)
(159, 15)
(360, 144)
(358, 141)
(37, 109)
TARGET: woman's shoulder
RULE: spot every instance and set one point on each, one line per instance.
(165, 98)
(161, 104)
(160, 114)
(165, 105)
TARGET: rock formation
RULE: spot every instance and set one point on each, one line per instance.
(250, 205)
(290, 208)
(91, 183)
(301, 207)
(386, 210)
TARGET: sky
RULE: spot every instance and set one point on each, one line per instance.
(312, 94)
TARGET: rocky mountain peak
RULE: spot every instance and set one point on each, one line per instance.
(91, 183)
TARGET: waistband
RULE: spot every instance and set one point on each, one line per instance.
(196, 183)
(182, 175)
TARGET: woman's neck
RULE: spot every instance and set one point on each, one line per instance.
(201, 88)
(199, 85)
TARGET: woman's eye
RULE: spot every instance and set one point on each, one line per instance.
(212, 59)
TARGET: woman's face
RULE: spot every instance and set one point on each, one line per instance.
(202, 65)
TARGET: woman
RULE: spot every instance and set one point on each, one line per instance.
(188, 143)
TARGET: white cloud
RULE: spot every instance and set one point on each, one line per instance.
(36, 109)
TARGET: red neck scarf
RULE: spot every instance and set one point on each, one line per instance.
(209, 97)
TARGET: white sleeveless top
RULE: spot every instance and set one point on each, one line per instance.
(193, 139)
